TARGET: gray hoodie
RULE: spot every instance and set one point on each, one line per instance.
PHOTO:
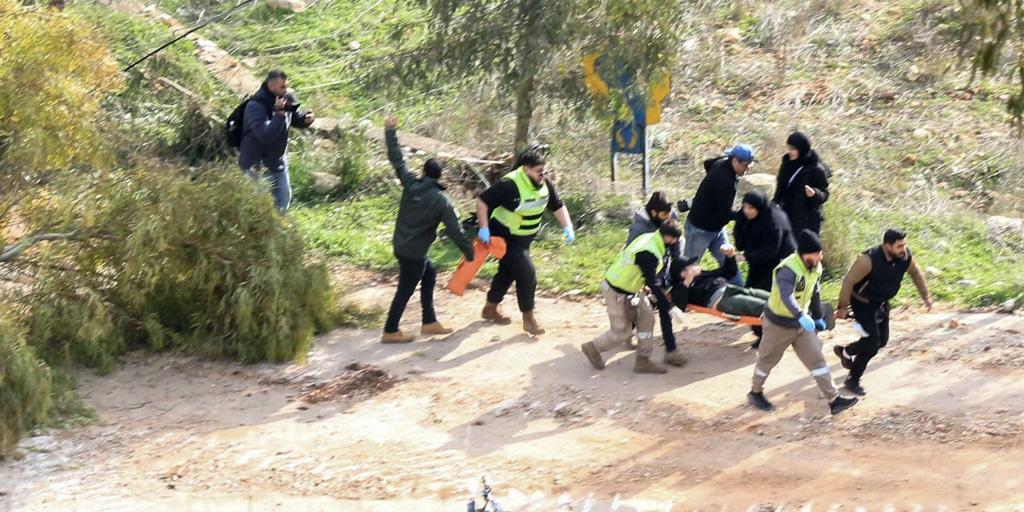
(643, 224)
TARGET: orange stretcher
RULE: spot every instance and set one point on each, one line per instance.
(467, 270)
(827, 313)
(745, 320)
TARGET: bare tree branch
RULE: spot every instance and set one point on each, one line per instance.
(12, 251)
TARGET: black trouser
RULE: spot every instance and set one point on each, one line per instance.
(667, 333)
(759, 278)
(515, 267)
(874, 318)
(412, 272)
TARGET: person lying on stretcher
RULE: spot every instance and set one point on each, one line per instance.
(712, 290)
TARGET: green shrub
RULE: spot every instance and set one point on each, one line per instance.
(207, 266)
(348, 159)
(25, 387)
(836, 239)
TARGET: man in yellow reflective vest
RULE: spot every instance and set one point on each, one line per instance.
(626, 299)
(512, 209)
(787, 322)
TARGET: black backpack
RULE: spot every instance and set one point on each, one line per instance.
(234, 126)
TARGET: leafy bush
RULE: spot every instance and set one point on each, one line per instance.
(207, 266)
(25, 385)
(836, 239)
(51, 66)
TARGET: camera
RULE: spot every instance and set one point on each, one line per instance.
(291, 104)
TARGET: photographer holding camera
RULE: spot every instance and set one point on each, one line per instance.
(268, 115)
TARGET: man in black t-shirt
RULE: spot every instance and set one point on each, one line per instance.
(512, 209)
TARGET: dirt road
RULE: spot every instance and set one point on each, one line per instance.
(941, 428)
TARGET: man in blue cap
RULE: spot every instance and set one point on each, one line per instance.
(711, 208)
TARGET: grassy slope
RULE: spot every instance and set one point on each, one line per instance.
(839, 70)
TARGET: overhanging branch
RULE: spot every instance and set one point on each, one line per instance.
(12, 251)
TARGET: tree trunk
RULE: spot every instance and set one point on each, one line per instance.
(524, 113)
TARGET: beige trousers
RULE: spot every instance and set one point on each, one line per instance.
(622, 315)
(776, 340)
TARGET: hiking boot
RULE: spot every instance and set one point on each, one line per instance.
(843, 358)
(396, 337)
(841, 403)
(435, 328)
(645, 365)
(757, 399)
(493, 314)
(593, 355)
(675, 358)
(854, 386)
(530, 324)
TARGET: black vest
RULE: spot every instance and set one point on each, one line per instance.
(883, 283)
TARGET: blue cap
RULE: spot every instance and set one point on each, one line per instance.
(742, 152)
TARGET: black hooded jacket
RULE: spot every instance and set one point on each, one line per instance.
(764, 241)
(711, 209)
(804, 212)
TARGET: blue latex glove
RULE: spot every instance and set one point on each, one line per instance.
(807, 323)
(570, 235)
(484, 234)
(820, 325)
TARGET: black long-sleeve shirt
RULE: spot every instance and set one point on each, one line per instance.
(712, 205)
(702, 288)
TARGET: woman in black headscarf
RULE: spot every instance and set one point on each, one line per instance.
(802, 185)
(764, 237)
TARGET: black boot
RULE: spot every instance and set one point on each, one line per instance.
(758, 400)
(846, 361)
(853, 385)
(841, 404)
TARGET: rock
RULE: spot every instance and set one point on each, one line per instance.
(913, 73)
(999, 227)
(909, 160)
(354, 46)
(325, 183)
(967, 283)
(943, 245)
(1009, 306)
(954, 324)
(732, 35)
(932, 271)
(921, 133)
(764, 183)
(291, 5)
(322, 144)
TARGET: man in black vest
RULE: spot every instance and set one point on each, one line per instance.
(873, 280)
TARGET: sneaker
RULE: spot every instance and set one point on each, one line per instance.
(841, 403)
(758, 400)
(843, 358)
(854, 387)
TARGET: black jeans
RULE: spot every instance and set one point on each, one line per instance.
(874, 318)
(515, 267)
(412, 272)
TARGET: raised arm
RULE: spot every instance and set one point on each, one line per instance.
(395, 152)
